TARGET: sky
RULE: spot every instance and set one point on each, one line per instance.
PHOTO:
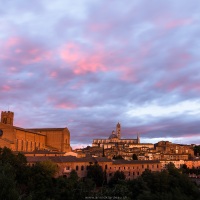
(89, 64)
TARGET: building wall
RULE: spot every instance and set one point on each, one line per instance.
(8, 132)
(192, 163)
(177, 163)
(131, 170)
(56, 138)
(27, 140)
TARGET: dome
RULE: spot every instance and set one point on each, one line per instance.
(112, 136)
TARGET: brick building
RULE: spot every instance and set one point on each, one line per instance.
(28, 140)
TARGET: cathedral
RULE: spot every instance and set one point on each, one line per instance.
(115, 140)
(28, 140)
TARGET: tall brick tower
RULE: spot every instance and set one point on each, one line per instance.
(7, 117)
(138, 138)
(118, 130)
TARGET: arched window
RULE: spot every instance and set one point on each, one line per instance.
(76, 167)
(106, 166)
(82, 168)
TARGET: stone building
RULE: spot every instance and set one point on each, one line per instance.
(115, 140)
(28, 140)
(172, 151)
(132, 169)
(115, 145)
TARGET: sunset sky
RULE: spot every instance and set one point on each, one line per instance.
(89, 64)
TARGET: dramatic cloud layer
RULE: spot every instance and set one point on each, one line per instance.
(89, 64)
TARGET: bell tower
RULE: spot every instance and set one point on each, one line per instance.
(138, 138)
(118, 130)
(7, 117)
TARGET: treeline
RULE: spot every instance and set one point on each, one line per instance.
(20, 181)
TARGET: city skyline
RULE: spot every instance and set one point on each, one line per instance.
(87, 65)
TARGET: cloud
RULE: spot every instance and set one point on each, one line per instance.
(90, 64)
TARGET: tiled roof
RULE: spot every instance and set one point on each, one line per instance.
(63, 159)
(34, 159)
(116, 162)
(28, 130)
(46, 129)
(102, 159)
(44, 152)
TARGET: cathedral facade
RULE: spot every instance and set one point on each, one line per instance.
(115, 140)
(28, 140)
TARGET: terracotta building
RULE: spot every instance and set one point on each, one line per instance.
(132, 169)
(172, 151)
(28, 140)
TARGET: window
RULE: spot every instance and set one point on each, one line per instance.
(31, 146)
(106, 166)
(129, 173)
(142, 166)
(76, 168)
(133, 173)
(26, 145)
(5, 121)
(138, 173)
(82, 168)
(67, 168)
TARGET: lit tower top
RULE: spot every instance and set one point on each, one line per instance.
(7, 117)
(118, 130)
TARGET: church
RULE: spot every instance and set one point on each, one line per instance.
(28, 140)
(115, 140)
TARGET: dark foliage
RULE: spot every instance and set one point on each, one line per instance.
(134, 157)
(19, 181)
(119, 157)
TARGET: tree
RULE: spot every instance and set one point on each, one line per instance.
(41, 180)
(117, 177)
(7, 183)
(134, 157)
(49, 167)
(197, 150)
(95, 172)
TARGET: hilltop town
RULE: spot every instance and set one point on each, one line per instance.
(114, 153)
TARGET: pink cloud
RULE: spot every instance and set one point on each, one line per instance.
(71, 53)
(23, 51)
(82, 61)
(65, 106)
(92, 63)
(53, 74)
(6, 88)
(177, 23)
(128, 74)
